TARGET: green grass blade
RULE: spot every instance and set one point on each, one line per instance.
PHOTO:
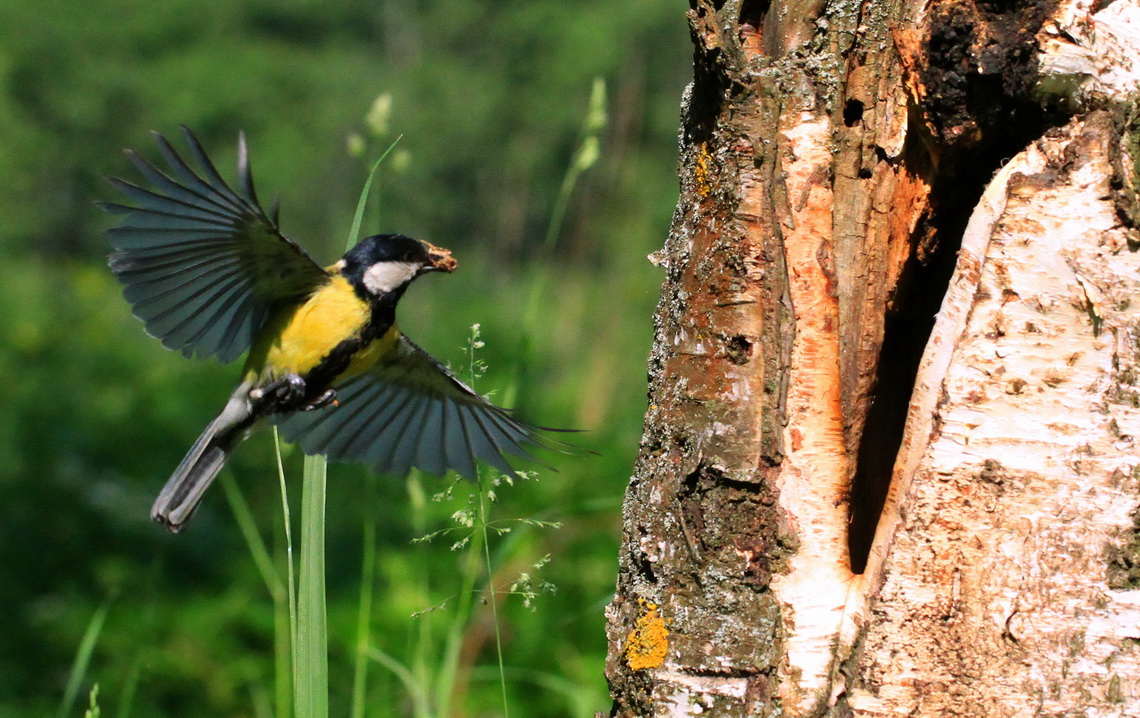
(358, 218)
(289, 646)
(82, 659)
(283, 669)
(312, 685)
(585, 156)
(309, 620)
(252, 536)
(130, 687)
(360, 667)
(364, 615)
(414, 687)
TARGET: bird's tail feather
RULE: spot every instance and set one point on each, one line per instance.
(187, 485)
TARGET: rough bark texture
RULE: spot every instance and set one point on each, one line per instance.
(830, 159)
(761, 370)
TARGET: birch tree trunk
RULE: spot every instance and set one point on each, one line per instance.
(889, 465)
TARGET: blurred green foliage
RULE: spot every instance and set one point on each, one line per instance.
(489, 98)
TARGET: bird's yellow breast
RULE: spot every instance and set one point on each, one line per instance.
(300, 339)
(367, 357)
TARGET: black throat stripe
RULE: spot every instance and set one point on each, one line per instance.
(333, 364)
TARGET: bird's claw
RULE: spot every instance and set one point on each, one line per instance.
(326, 399)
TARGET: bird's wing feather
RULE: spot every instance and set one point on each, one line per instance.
(202, 263)
(411, 411)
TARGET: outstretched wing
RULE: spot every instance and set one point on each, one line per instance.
(410, 411)
(203, 265)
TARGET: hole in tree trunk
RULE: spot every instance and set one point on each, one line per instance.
(908, 327)
(752, 12)
(852, 113)
(960, 181)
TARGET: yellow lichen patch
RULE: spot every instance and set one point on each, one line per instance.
(701, 171)
(648, 642)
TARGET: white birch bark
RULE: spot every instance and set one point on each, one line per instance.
(990, 575)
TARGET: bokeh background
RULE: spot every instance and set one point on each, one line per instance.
(490, 100)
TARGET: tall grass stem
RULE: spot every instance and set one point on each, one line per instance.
(83, 659)
(130, 687)
(358, 218)
(311, 690)
(291, 580)
(248, 527)
(586, 154)
(491, 593)
(364, 615)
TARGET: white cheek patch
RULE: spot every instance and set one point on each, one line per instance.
(383, 277)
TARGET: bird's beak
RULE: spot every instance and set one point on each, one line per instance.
(439, 259)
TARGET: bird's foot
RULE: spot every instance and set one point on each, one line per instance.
(326, 399)
(284, 393)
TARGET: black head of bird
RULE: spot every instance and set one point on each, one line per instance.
(382, 266)
(209, 273)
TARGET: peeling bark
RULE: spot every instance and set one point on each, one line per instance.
(837, 166)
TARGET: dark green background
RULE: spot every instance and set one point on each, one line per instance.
(489, 98)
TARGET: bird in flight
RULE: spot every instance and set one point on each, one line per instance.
(210, 274)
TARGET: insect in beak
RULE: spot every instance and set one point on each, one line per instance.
(439, 259)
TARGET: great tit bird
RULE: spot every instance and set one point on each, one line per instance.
(210, 274)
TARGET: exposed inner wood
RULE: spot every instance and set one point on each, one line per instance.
(812, 485)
